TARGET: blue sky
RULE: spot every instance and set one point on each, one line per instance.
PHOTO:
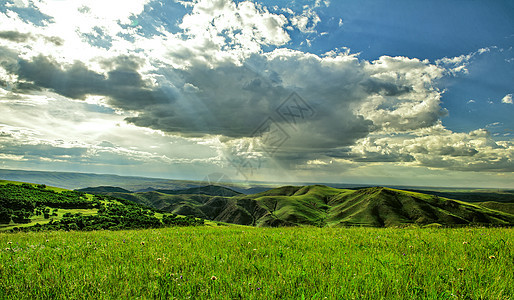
(371, 92)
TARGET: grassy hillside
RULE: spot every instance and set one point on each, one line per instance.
(319, 205)
(25, 206)
(381, 206)
(501, 206)
(259, 263)
(473, 195)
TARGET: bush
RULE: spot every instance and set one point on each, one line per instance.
(5, 216)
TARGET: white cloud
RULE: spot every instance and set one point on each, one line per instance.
(439, 148)
(212, 83)
(307, 21)
(507, 99)
(76, 24)
(459, 64)
(402, 94)
(232, 29)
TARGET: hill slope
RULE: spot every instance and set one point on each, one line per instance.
(389, 207)
(477, 195)
(319, 205)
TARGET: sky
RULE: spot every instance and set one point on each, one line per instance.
(362, 92)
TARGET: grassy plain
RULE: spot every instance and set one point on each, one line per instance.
(237, 262)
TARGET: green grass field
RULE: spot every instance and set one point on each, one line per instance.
(236, 262)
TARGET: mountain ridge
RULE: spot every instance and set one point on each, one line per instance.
(320, 205)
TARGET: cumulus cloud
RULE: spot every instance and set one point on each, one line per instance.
(459, 64)
(232, 100)
(307, 21)
(123, 84)
(226, 75)
(507, 99)
(437, 147)
(404, 96)
(232, 29)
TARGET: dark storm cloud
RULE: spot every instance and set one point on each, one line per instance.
(123, 85)
(233, 100)
(75, 82)
(229, 100)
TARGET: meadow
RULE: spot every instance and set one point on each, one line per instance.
(238, 262)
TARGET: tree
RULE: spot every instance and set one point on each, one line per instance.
(5, 215)
(21, 216)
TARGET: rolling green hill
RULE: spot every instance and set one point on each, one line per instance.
(319, 205)
(381, 206)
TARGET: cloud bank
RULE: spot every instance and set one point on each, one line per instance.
(223, 72)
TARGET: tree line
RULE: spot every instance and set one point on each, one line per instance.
(18, 203)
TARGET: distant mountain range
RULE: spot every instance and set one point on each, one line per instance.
(319, 205)
(71, 180)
